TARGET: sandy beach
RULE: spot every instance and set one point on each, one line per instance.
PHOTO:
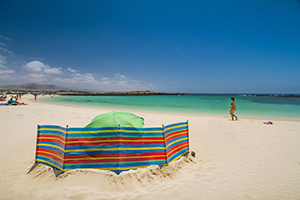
(243, 159)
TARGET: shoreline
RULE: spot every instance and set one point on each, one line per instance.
(165, 112)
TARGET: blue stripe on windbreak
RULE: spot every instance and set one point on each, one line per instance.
(69, 148)
(142, 164)
(94, 129)
(87, 147)
(90, 152)
(50, 143)
(113, 152)
(141, 145)
(50, 160)
(112, 165)
(96, 165)
(52, 127)
(50, 147)
(141, 129)
(175, 139)
(143, 151)
(179, 153)
(143, 135)
(91, 135)
(176, 143)
(176, 124)
(175, 130)
(46, 131)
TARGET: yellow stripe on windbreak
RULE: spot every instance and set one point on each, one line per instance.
(176, 141)
(176, 127)
(173, 135)
(144, 131)
(112, 149)
(102, 131)
(50, 154)
(50, 163)
(107, 158)
(51, 129)
(50, 145)
(85, 141)
(175, 149)
(178, 156)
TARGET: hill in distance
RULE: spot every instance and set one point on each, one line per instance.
(33, 86)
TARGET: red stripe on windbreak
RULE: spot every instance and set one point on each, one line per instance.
(174, 147)
(185, 145)
(181, 148)
(90, 144)
(172, 135)
(52, 136)
(85, 155)
(50, 156)
(141, 159)
(142, 138)
(50, 140)
(50, 151)
(103, 160)
(141, 142)
(113, 138)
(91, 161)
(111, 143)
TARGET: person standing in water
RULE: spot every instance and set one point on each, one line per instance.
(233, 108)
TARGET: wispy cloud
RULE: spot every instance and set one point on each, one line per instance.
(38, 67)
(71, 70)
(14, 70)
(6, 71)
(4, 38)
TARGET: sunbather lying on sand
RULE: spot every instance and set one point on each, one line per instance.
(12, 102)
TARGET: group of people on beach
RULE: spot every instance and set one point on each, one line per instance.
(14, 100)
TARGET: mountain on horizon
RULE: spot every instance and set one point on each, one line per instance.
(33, 86)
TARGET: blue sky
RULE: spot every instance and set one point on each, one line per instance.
(249, 46)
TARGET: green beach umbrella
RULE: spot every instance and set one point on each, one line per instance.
(114, 119)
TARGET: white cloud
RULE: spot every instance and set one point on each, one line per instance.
(78, 79)
(71, 70)
(37, 67)
(13, 70)
(120, 77)
(6, 71)
(53, 70)
(118, 82)
(2, 62)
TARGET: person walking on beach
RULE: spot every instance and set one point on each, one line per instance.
(232, 109)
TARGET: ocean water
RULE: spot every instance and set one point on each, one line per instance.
(247, 106)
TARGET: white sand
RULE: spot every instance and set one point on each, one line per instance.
(234, 160)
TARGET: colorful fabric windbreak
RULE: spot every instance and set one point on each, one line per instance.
(114, 148)
(50, 146)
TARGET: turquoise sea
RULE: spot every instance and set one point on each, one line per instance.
(247, 106)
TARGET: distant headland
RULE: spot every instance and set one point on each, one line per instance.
(34, 88)
(57, 90)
